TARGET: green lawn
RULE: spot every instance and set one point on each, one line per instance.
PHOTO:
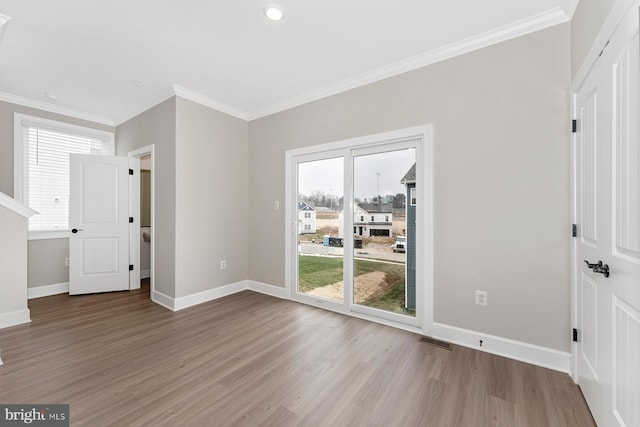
(317, 271)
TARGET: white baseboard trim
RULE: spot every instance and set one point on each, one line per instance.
(264, 288)
(14, 318)
(145, 274)
(175, 304)
(517, 350)
(47, 290)
(163, 300)
(209, 295)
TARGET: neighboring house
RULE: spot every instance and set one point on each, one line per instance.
(409, 180)
(306, 218)
(371, 220)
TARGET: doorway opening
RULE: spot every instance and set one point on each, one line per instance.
(143, 234)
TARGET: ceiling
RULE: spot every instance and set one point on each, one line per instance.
(108, 60)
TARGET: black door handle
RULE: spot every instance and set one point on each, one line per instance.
(598, 267)
(589, 265)
(75, 230)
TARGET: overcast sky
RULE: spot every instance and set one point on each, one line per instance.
(327, 175)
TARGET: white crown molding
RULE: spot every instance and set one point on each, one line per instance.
(208, 102)
(516, 29)
(52, 108)
(555, 16)
(3, 24)
(129, 114)
(15, 206)
(569, 7)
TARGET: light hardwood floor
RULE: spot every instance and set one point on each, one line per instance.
(249, 359)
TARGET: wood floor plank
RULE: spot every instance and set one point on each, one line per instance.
(252, 360)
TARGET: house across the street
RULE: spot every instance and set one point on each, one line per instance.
(306, 218)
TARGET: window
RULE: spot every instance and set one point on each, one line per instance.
(373, 218)
(41, 168)
(361, 218)
(413, 196)
(307, 214)
(386, 218)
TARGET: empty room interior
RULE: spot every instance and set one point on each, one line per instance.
(320, 213)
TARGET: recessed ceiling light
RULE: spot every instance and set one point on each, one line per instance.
(51, 96)
(274, 12)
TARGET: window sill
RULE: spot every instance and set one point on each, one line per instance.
(44, 235)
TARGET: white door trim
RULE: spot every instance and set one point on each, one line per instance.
(425, 192)
(147, 150)
(134, 227)
(573, 363)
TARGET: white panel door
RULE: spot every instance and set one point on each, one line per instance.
(608, 246)
(99, 222)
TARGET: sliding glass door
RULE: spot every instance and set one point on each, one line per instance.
(355, 227)
(384, 228)
(319, 202)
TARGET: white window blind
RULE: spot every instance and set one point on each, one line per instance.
(46, 173)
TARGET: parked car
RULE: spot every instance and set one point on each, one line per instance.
(400, 245)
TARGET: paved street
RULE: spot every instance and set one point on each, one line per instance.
(363, 253)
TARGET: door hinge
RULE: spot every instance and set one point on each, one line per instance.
(130, 171)
(130, 267)
(575, 335)
(605, 46)
(574, 126)
(574, 230)
(130, 219)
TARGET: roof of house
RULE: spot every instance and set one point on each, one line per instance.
(302, 206)
(376, 207)
(410, 176)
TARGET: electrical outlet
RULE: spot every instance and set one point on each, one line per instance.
(481, 297)
(66, 262)
(223, 264)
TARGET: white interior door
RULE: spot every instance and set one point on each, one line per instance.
(99, 222)
(608, 215)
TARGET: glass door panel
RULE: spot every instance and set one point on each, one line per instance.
(320, 229)
(384, 229)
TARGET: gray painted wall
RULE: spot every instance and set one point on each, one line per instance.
(201, 193)
(158, 126)
(13, 261)
(211, 198)
(46, 257)
(585, 26)
(501, 179)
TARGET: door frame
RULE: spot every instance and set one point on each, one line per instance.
(573, 361)
(147, 150)
(424, 157)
